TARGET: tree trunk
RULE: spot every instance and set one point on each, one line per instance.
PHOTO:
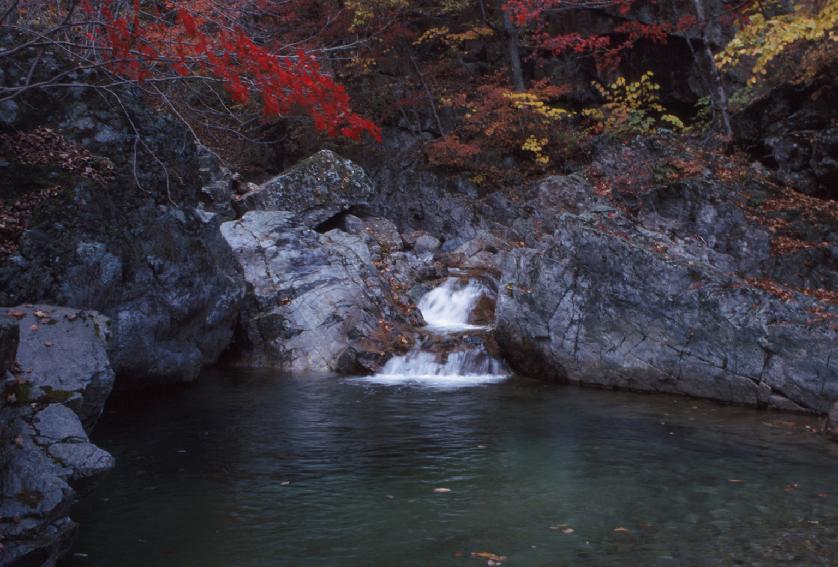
(720, 95)
(515, 67)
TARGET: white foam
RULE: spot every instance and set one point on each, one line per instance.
(447, 308)
(462, 368)
(449, 382)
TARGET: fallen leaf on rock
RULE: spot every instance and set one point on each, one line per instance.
(735, 481)
(72, 317)
(568, 531)
(17, 314)
(285, 483)
(40, 314)
(442, 490)
(488, 555)
(621, 530)
(47, 344)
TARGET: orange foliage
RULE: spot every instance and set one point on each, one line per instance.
(496, 125)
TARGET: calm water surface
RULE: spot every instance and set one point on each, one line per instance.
(257, 469)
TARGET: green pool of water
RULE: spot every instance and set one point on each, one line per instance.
(259, 469)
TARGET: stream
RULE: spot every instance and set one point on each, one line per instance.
(443, 458)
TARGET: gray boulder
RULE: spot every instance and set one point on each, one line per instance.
(142, 244)
(316, 189)
(51, 340)
(164, 277)
(316, 301)
(421, 241)
(605, 300)
(51, 396)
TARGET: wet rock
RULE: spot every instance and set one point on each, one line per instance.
(483, 312)
(316, 301)
(316, 189)
(604, 300)
(57, 387)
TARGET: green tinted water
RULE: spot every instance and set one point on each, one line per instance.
(257, 469)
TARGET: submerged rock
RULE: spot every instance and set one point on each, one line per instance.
(316, 301)
(51, 397)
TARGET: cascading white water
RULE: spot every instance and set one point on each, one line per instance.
(446, 310)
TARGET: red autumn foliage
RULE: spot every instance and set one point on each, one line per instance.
(201, 39)
(606, 48)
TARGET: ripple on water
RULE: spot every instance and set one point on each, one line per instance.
(313, 470)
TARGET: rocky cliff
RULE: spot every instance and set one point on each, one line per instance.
(119, 229)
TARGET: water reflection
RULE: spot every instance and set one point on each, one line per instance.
(254, 469)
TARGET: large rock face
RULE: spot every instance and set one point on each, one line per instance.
(316, 189)
(605, 300)
(131, 240)
(51, 397)
(316, 301)
(162, 274)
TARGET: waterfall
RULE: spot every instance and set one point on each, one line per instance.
(446, 310)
